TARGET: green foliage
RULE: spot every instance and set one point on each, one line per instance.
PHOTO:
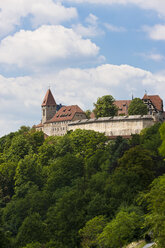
(151, 139)
(91, 231)
(4, 235)
(66, 218)
(137, 107)
(134, 174)
(50, 189)
(105, 106)
(32, 229)
(63, 171)
(28, 170)
(85, 142)
(4, 239)
(35, 139)
(7, 174)
(162, 135)
(33, 245)
(155, 219)
(52, 148)
(121, 230)
(23, 130)
(88, 113)
(20, 147)
(116, 150)
(27, 200)
(5, 141)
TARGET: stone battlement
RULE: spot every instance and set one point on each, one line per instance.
(115, 126)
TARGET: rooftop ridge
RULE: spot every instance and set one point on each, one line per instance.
(48, 99)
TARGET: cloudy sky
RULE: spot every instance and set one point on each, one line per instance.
(82, 49)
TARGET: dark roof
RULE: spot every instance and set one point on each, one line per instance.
(66, 113)
(156, 101)
(48, 99)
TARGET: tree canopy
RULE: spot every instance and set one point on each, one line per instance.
(105, 107)
(81, 189)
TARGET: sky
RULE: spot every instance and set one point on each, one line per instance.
(81, 49)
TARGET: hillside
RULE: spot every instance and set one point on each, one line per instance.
(81, 190)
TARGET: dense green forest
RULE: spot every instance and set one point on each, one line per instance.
(81, 190)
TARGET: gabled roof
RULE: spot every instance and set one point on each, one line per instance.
(122, 106)
(156, 101)
(48, 99)
(66, 113)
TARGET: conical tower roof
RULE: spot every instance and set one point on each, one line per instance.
(48, 99)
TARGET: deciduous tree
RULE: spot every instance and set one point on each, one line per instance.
(137, 107)
(105, 106)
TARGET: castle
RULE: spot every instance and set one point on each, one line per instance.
(58, 119)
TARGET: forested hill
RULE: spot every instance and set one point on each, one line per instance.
(81, 190)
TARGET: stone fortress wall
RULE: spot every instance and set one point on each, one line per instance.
(115, 126)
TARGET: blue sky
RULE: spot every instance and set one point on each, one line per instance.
(83, 49)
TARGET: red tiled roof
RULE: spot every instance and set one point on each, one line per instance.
(156, 101)
(122, 106)
(48, 99)
(66, 113)
(92, 115)
(39, 125)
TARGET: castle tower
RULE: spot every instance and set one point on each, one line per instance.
(48, 106)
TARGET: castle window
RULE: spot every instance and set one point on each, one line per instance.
(43, 112)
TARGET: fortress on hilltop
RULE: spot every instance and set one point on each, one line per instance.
(58, 119)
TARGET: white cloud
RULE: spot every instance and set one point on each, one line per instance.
(156, 56)
(21, 97)
(91, 29)
(92, 19)
(40, 12)
(113, 28)
(156, 32)
(152, 56)
(45, 45)
(156, 5)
